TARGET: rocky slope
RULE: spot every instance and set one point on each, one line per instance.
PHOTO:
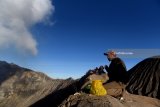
(21, 87)
(144, 78)
(130, 100)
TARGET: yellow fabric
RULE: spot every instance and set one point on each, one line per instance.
(97, 88)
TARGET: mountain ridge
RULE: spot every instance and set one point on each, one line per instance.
(22, 87)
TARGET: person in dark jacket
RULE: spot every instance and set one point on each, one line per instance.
(117, 69)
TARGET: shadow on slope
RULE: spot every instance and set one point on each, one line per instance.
(60, 94)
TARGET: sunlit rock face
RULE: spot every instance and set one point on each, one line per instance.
(144, 78)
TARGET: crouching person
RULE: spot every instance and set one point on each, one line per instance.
(117, 75)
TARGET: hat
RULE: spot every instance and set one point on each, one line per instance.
(110, 52)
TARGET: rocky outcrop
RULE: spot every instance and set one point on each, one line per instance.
(86, 100)
(144, 78)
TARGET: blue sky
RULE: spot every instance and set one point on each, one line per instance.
(82, 30)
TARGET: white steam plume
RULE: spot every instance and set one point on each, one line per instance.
(16, 18)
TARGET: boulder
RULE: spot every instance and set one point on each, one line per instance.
(87, 100)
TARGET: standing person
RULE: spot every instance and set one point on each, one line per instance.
(117, 69)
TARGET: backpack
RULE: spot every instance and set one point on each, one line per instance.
(97, 88)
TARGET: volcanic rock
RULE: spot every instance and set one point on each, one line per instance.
(144, 78)
(86, 100)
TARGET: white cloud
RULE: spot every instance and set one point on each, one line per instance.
(16, 17)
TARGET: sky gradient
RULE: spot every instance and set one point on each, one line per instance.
(80, 31)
